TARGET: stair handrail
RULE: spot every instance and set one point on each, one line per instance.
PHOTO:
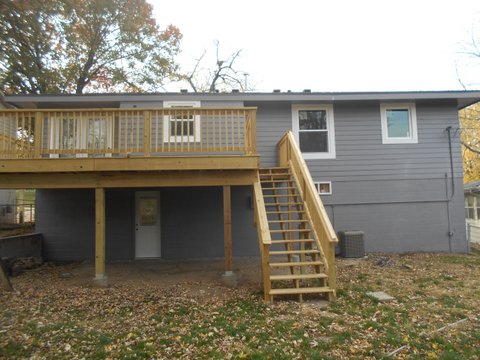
(264, 236)
(325, 236)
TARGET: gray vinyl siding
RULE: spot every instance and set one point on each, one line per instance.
(396, 193)
(358, 139)
(273, 120)
(361, 154)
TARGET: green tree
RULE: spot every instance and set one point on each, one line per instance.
(74, 46)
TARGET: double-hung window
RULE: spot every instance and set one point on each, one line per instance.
(399, 123)
(314, 130)
(181, 125)
(472, 207)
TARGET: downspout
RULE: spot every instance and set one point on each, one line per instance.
(449, 224)
(451, 231)
(449, 129)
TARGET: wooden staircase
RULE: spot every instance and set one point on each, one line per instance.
(294, 262)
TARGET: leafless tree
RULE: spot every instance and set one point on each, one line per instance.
(223, 76)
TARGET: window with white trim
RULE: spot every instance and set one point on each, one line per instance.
(472, 207)
(313, 128)
(324, 187)
(182, 126)
(399, 123)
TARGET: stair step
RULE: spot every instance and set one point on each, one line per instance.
(296, 263)
(269, 168)
(289, 231)
(309, 290)
(293, 252)
(286, 212)
(289, 221)
(281, 195)
(274, 169)
(276, 180)
(280, 188)
(295, 241)
(297, 277)
(284, 173)
(284, 203)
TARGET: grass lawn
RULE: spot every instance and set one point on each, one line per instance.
(47, 317)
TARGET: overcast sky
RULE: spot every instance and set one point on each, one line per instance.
(333, 45)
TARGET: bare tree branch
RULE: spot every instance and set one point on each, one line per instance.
(222, 77)
(472, 149)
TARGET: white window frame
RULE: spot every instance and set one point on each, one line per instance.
(317, 186)
(413, 138)
(167, 138)
(330, 154)
(474, 208)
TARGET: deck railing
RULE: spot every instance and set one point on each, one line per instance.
(124, 132)
(290, 156)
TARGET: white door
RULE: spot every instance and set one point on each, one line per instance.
(147, 224)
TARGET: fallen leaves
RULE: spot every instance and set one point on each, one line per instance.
(49, 316)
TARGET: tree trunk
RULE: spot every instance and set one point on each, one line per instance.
(4, 280)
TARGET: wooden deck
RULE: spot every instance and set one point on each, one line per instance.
(92, 148)
(172, 147)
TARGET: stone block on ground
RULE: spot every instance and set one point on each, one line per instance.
(380, 296)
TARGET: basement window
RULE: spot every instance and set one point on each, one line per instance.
(324, 187)
(182, 125)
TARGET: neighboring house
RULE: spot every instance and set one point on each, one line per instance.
(472, 210)
(180, 175)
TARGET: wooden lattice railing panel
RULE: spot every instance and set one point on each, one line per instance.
(125, 132)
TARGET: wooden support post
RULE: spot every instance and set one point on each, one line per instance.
(100, 277)
(227, 229)
(267, 284)
(332, 273)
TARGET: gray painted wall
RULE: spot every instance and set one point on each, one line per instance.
(191, 223)
(193, 228)
(66, 218)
